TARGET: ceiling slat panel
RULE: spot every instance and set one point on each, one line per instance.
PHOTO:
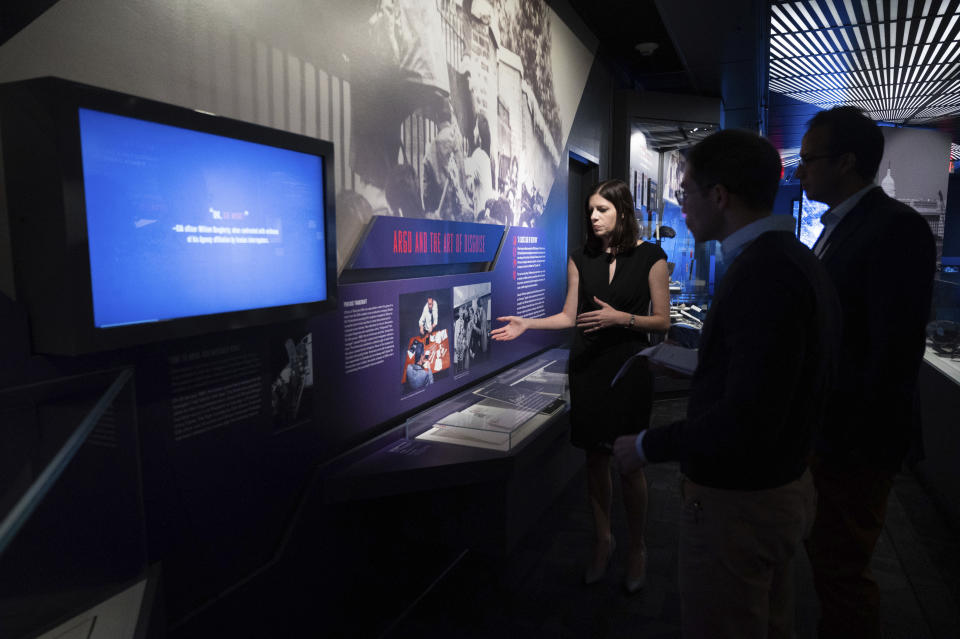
(897, 59)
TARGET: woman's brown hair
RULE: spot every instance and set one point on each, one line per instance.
(626, 232)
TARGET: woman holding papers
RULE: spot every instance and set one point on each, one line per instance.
(617, 291)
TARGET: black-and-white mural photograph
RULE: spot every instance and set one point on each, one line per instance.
(453, 113)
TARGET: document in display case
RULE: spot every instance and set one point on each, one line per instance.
(499, 413)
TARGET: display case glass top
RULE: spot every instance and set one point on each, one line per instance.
(502, 411)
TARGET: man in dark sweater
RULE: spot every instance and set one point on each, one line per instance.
(766, 361)
(881, 257)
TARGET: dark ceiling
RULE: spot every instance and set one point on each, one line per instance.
(702, 45)
(620, 25)
(16, 14)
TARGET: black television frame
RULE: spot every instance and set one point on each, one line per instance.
(42, 164)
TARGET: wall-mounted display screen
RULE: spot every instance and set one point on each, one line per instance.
(136, 221)
(183, 223)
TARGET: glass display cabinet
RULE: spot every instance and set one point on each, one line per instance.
(657, 164)
(943, 331)
(501, 412)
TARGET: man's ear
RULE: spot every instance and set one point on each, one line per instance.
(847, 163)
(720, 196)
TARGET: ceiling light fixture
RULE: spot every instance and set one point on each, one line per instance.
(898, 60)
(646, 48)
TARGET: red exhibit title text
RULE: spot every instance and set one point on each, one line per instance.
(432, 242)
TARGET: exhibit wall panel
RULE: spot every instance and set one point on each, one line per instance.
(469, 126)
(438, 114)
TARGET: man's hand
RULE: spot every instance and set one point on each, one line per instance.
(625, 450)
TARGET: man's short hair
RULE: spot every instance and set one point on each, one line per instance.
(742, 161)
(849, 130)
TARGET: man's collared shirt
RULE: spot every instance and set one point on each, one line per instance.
(832, 217)
(429, 316)
(732, 245)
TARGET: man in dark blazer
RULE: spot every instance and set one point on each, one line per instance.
(881, 257)
(766, 360)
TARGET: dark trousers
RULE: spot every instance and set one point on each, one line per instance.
(851, 507)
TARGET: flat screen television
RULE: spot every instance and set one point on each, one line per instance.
(135, 221)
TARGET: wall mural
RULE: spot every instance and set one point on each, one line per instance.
(453, 115)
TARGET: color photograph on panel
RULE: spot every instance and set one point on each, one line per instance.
(471, 325)
(424, 338)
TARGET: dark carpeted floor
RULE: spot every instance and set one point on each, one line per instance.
(537, 590)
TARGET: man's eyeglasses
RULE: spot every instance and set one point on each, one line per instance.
(807, 159)
(682, 193)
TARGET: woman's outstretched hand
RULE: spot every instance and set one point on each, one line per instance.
(513, 329)
(605, 317)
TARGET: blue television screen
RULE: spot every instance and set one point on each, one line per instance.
(182, 223)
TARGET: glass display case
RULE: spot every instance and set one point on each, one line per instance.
(500, 412)
(943, 331)
(657, 163)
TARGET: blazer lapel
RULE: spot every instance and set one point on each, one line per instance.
(851, 222)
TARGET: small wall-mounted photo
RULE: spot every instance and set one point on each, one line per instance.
(424, 338)
(471, 325)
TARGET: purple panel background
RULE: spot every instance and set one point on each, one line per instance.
(356, 403)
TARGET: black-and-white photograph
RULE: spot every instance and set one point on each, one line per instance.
(453, 114)
(471, 325)
(675, 163)
(293, 363)
(914, 170)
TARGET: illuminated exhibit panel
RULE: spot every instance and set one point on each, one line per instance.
(657, 159)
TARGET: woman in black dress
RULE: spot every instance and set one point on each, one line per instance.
(617, 291)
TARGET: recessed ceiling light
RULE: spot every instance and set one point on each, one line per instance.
(646, 48)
